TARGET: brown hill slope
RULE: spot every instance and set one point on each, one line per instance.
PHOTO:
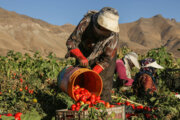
(145, 34)
(26, 34)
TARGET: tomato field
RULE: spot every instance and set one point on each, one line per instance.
(28, 88)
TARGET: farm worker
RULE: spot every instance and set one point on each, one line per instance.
(145, 79)
(94, 43)
(123, 69)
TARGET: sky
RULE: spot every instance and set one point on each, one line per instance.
(60, 12)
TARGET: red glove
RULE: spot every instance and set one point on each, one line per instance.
(97, 68)
(78, 54)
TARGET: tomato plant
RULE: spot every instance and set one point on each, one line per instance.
(29, 83)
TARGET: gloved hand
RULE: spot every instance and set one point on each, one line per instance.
(98, 68)
(81, 58)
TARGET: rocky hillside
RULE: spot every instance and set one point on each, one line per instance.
(27, 35)
(145, 34)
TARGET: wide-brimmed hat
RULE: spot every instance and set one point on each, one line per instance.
(133, 57)
(109, 19)
(154, 65)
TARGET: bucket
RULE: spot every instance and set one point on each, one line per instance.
(71, 76)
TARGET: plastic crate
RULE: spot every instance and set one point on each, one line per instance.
(114, 113)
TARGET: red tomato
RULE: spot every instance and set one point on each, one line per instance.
(92, 100)
(93, 96)
(88, 96)
(112, 106)
(101, 101)
(128, 115)
(86, 92)
(21, 80)
(73, 107)
(76, 92)
(81, 89)
(83, 98)
(149, 109)
(82, 92)
(127, 103)
(77, 97)
(118, 103)
(112, 91)
(139, 107)
(78, 104)
(18, 114)
(133, 107)
(9, 114)
(26, 88)
(145, 108)
(98, 98)
(107, 104)
(31, 91)
(20, 89)
(77, 108)
(88, 102)
(148, 115)
(76, 87)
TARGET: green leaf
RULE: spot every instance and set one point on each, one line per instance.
(152, 99)
(157, 102)
(133, 98)
(7, 117)
(82, 107)
(31, 116)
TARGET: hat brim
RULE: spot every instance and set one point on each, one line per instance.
(154, 65)
(134, 61)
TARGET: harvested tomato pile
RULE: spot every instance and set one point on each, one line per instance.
(83, 96)
(138, 109)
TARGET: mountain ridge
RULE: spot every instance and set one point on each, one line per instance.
(24, 34)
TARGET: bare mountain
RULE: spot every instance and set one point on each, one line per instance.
(27, 35)
(145, 34)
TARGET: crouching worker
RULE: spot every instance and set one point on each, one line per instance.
(94, 43)
(123, 70)
(145, 80)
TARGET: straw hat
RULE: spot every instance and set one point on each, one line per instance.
(108, 18)
(134, 58)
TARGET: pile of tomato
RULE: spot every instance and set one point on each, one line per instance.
(83, 96)
(139, 109)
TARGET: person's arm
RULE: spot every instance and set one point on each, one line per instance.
(121, 71)
(109, 53)
(74, 41)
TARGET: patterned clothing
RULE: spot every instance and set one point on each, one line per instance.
(98, 49)
(143, 83)
(145, 80)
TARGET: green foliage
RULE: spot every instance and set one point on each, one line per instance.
(170, 64)
(28, 84)
(168, 106)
